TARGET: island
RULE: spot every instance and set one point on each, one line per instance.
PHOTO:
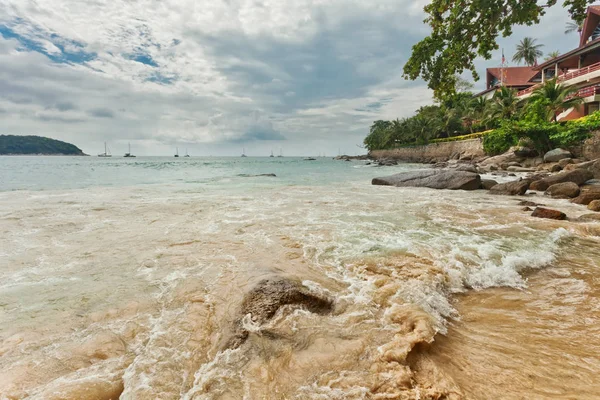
(36, 145)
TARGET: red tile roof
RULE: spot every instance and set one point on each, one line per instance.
(514, 76)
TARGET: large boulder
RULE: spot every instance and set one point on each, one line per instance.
(434, 179)
(487, 184)
(511, 188)
(525, 152)
(592, 166)
(542, 212)
(578, 176)
(587, 194)
(565, 190)
(594, 205)
(556, 155)
(267, 297)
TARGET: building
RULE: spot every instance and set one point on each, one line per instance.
(579, 67)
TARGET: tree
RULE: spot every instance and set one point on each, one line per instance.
(552, 54)
(573, 26)
(505, 104)
(457, 37)
(528, 51)
(555, 98)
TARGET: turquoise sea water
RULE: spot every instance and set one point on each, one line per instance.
(48, 173)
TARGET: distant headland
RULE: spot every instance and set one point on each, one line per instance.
(36, 145)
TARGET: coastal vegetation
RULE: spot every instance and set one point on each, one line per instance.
(502, 121)
(528, 52)
(445, 54)
(31, 145)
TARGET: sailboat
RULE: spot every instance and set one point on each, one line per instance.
(280, 152)
(244, 153)
(176, 151)
(106, 152)
(271, 154)
(128, 154)
(186, 153)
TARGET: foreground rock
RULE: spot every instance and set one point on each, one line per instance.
(594, 205)
(578, 177)
(592, 166)
(267, 297)
(589, 217)
(487, 184)
(565, 190)
(511, 188)
(541, 212)
(587, 194)
(557, 155)
(434, 179)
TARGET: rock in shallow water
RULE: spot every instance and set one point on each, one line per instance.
(511, 188)
(541, 212)
(577, 176)
(587, 194)
(565, 190)
(263, 301)
(594, 205)
(434, 179)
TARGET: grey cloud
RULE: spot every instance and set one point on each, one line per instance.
(101, 113)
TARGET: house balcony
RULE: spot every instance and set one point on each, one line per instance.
(585, 75)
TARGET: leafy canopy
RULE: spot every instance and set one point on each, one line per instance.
(462, 30)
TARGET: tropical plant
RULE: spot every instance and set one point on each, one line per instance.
(573, 26)
(551, 55)
(554, 98)
(505, 104)
(528, 51)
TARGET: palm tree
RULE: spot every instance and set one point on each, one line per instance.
(505, 104)
(573, 26)
(555, 98)
(551, 55)
(528, 51)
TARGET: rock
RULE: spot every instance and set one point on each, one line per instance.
(433, 179)
(526, 209)
(525, 152)
(565, 190)
(263, 301)
(387, 163)
(513, 164)
(505, 158)
(556, 168)
(528, 203)
(589, 217)
(594, 205)
(513, 168)
(252, 176)
(487, 184)
(587, 194)
(541, 212)
(556, 155)
(512, 174)
(592, 166)
(467, 168)
(511, 188)
(493, 167)
(578, 176)
(564, 162)
(592, 182)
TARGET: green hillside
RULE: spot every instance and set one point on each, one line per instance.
(22, 145)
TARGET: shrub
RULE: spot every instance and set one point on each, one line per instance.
(499, 140)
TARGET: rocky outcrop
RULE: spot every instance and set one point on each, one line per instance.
(592, 166)
(434, 179)
(565, 190)
(578, 177)
(541, 212)
(594, 205)
(511, 188)
(434, 152)
(267, 297)
(487, 184)
(587, 194)
(556, 155)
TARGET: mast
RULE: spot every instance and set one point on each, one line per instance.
(105, 152)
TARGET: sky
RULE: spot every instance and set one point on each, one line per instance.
(218, 77)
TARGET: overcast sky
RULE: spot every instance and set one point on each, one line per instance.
(217, 76)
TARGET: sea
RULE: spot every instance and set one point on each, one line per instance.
(122, 278)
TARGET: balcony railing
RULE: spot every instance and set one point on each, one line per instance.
(587, 92)
(565, 77)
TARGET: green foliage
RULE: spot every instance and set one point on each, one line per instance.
(445, 54)
(12, 144)
(528, 52)
(554, 97)
(499, 140)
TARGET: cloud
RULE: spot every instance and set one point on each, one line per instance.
(213, 75)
